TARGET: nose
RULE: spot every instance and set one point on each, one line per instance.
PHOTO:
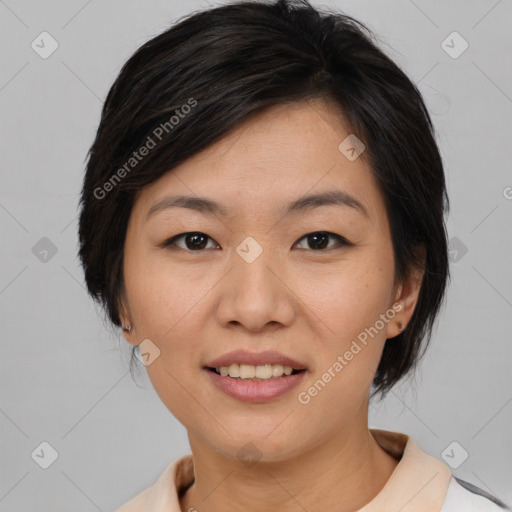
(256, 295)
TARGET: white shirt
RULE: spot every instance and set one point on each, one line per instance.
(460, 499)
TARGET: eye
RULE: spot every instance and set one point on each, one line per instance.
(197, 241)
(319, 240)
(194, 241)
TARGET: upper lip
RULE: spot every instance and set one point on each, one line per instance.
(255, 359)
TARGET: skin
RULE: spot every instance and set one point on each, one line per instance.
(307, 303)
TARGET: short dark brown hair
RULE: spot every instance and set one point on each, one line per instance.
(230, 62)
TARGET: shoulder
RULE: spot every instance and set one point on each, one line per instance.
(462, 496)
(138, 502)
(159, 490)
(163, 495)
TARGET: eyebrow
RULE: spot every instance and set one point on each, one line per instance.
(303, 204)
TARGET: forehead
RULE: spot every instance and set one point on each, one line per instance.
(271, 160)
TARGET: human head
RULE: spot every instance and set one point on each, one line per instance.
(216, 69)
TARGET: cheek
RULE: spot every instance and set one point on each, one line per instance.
(349, 303)
(351, 298)
(163, 294)
(165, 302)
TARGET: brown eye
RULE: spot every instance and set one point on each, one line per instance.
(319, 240)
(194, 241)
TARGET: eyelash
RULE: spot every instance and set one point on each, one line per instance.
(171, 242)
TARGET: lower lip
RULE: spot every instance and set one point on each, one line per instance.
(256, 391)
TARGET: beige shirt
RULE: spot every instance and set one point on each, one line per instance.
(419, 483)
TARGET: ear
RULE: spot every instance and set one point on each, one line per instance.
(125, 317)
(406, 295)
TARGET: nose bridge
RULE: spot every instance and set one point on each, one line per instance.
(254, 293)
(255, 268)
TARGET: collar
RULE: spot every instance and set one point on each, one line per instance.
(418, 484)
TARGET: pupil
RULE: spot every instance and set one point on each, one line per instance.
(195, 237)
(317, 236)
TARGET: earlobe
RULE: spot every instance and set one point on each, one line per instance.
(396, 326)
(128, 333)
(126, 324)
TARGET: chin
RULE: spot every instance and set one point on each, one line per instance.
(256, 444)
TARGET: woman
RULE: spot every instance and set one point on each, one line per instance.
(263, 215)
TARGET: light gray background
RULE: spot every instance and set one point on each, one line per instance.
(64, 374)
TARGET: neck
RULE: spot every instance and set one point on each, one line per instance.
(343, 473)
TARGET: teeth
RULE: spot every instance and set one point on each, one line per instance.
(249, 372)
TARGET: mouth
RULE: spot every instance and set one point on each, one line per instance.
(241, 383)
(255, 377)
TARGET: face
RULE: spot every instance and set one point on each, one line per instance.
(307, 283)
